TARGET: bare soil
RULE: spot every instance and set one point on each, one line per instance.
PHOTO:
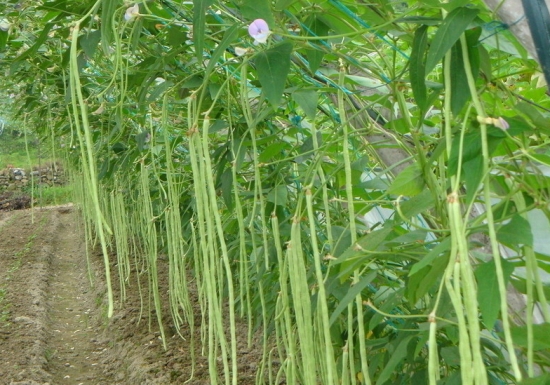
(53, 324)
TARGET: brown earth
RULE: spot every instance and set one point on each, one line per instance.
(53, 324)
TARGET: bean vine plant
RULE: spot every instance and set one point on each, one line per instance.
(365, 183)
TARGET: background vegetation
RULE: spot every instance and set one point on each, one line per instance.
(366, 188)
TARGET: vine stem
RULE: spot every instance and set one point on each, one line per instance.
(490, 219)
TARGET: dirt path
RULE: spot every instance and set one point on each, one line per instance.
(53, 325)
(47, 336)
(74, 351)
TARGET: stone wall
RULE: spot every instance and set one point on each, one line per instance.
(17, 178)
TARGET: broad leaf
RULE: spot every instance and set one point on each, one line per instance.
(257, 9)
(447, 35)
(351, 294)
(540, 336)
(278, 195)
(460, 92)
(488, 295)
(89, 42)
(199, 25)
(409, 182)
(273, 66)
(417, 204)
(397, 356)
(316, 27)
(540, 380)
(307, 100)
(516, 232)
(417, 69)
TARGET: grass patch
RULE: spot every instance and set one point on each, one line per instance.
(54, 195)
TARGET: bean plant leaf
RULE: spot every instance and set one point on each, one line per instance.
(460, 92)
(307, 100)
(396, 358)
(418, 204)
(409, 182)
(447, 35)
(89, 42)
(3, 40)
(37, 44)
(108, 9)
(426, 273)
(417, 68)
(516, 232)
(473, 174)
(226, 180)
(541, 121)
(273, 66)
(257, 9)
(351, 294)
(540, 380)
(316, 27)
(199, 25)
(228, 37)
(278, 195)
(540, 336)
(488, 295)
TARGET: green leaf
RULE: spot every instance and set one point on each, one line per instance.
(417, 204)
(473, 174)
(199, 25)
(460, 93)
(451, 355)
(272, 151)
(3, 40)
(307, 100)
(317, 27)
(426, 273)
(37, 44)
(396, 358)
(159, 90)
(281, 5)
(108, 9)
(351, 294)
(278, 195)
(447, 35)
(409, 182)
(257, 9)
(542, 158)
(540, 336)
(226, 180)
(89, 42)
(516, 232)
(541, 121)
(273, 66)
(540, 380)
(417, 69)
(342, 240)
(229, 36)
(369, 242)
(488, 295)
(428, 258)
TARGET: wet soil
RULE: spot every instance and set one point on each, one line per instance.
(53, 324)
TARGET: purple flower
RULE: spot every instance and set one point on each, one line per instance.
(501, 123)
(259, 30)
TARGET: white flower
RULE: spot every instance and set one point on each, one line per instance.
(497, 122)
(501, 123)
(259, 30)
(240, 51)
(131, 12)
(4, 25)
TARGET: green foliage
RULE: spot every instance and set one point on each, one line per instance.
(264, 172)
